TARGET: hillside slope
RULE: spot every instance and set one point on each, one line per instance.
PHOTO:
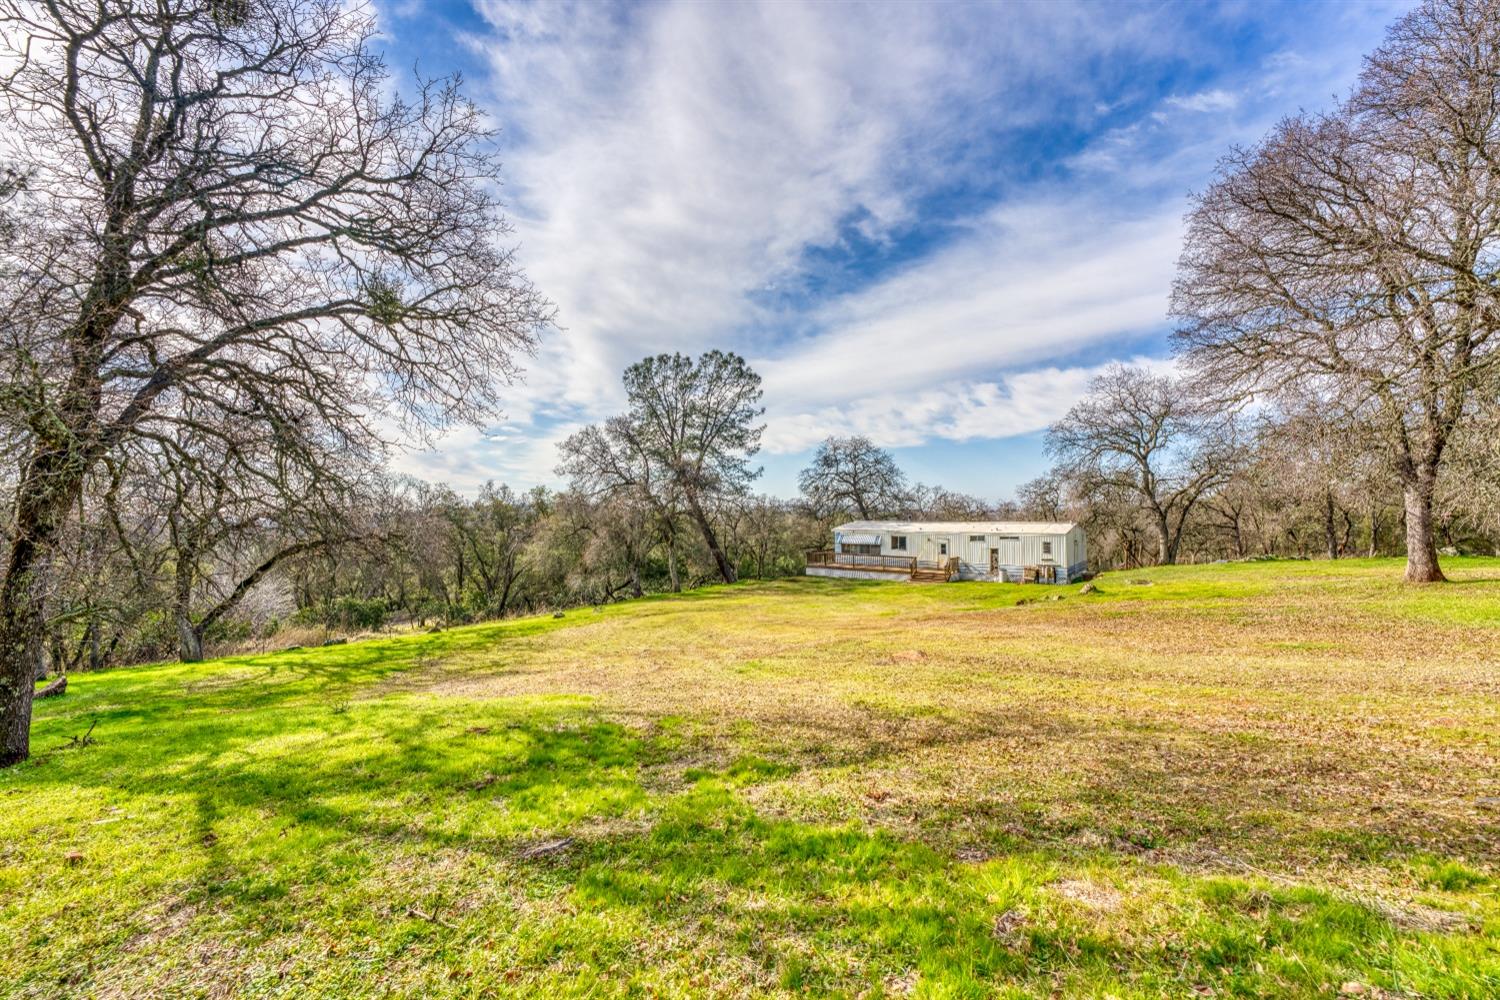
(1274, 779)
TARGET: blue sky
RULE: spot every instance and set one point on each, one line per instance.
(926, 223)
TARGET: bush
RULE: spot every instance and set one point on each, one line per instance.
(353, 613)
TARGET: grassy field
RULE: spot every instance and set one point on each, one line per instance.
(1277, 779)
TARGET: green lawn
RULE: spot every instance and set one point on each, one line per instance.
(1276, 779)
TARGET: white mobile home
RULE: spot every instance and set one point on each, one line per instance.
(1013, 551)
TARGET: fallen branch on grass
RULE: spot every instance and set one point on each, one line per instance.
(79, 742)
(431, 918)
(546, 847)
(54, 689)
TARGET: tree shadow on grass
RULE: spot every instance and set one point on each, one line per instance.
(406, 823)
(409, 744)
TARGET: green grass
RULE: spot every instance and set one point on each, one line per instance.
(1272, 779)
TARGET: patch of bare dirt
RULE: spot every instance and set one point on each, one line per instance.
(1094, 895)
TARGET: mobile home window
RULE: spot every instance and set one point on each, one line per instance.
(1046, 548)
(976, 538)
(898, 543)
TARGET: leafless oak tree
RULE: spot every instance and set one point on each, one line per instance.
(850, 474)
(612, 470)
(1355, 255)
(1143, 435)
(232, 516)
(490, 535)
(228, 216)
(1042, 498)
(1470, 485)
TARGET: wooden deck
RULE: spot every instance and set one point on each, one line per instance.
(910, 567)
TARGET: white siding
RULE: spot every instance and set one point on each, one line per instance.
(1017, 545)
(1015, 551)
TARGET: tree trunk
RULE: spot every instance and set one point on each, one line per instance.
(1421, 544)
(1165, 554)
(1374, 531)
(709, 538)
(1330, 532)
(49, 486)
(20, 626)
(189, 639)
(672, 563)
(189, 635)
(96, 652)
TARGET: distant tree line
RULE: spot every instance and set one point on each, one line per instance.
(661, 499)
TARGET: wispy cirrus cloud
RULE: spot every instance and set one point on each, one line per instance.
(1032, 283)
(677, 161)
(1013, 404)
(1216, 99)
(973, 206)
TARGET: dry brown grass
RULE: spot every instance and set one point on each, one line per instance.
(1262, 730)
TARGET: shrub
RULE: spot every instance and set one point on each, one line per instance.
(353, 613)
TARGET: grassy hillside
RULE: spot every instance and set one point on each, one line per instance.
(1252, 780)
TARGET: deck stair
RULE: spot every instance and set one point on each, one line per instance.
(922, 572)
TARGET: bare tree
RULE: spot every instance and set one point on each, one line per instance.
(1228, 508)
(1141, 434)
(1352, 255)
(1043, 498)
(610, 466)
(769, 526)
(1313, 450)
(850, 474)
(228, 530)
(941, 504)
(98, 591)
(493, 532)
(228, 215)
(688, 436)
(596, 547)
(1469, 490)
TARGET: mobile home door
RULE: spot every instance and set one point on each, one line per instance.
(936, 548)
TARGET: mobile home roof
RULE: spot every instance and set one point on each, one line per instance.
(962, 527)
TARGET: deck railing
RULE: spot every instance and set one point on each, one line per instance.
(853, 560)
(882, 563)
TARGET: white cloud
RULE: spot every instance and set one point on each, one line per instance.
(670, 166)
(1017, 403)
(467, 457)
(672, 160)
(1205, 100)
(1032, 282)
